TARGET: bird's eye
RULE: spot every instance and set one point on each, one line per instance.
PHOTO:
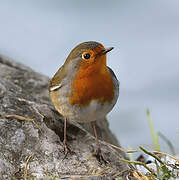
(86, 56)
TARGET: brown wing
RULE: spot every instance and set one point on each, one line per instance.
(57, 78)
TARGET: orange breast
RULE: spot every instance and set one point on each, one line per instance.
(92, 82)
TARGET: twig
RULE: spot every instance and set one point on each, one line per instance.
(150, 153)
(119, 148)
(119, 174)
(26, 164)
(22, 119)
(139, 163)
(139, 176)
(165, 154)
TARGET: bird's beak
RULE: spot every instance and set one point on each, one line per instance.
(106, 50)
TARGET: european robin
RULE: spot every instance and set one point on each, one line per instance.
(84, 89)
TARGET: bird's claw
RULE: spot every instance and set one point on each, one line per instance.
(99, 156)
(66, 150)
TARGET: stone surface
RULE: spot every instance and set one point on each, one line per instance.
(35, 149)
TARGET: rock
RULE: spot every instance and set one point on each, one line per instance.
(31, 133)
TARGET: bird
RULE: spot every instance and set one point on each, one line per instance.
(84, 89)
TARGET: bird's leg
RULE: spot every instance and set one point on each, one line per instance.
(98, 153)
(66, 148)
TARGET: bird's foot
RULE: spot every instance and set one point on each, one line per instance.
(99, 156)
(66, 150)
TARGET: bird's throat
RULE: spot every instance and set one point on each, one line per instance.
(92, 82)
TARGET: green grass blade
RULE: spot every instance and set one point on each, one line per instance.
(155, 136)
